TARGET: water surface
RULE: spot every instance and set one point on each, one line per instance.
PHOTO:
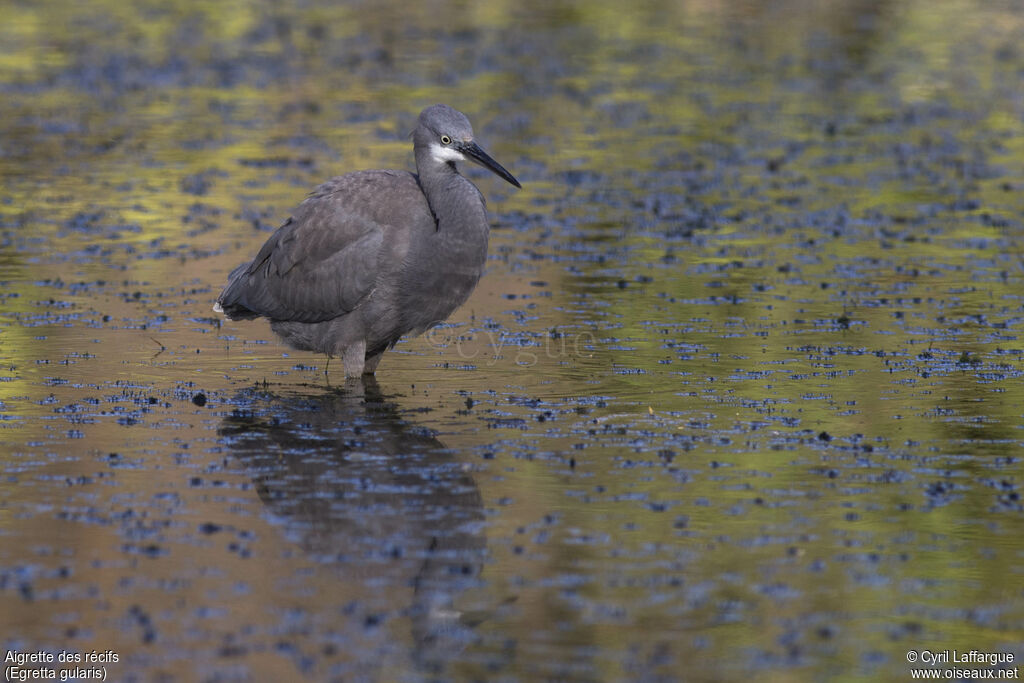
(739, 394)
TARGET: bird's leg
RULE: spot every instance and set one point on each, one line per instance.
(354, 359)
(371, 364)
(327, 365)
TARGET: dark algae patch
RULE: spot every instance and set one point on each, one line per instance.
(739, 393)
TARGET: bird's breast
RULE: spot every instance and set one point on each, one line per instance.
(440, 275)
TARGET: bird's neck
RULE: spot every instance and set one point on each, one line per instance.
(457, 205)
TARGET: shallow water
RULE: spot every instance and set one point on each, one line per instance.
(739, 394)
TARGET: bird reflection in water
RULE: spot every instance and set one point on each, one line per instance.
(359, 488)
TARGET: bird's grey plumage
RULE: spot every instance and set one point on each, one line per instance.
(373, 255)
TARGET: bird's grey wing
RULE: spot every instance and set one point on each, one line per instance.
(324, 260)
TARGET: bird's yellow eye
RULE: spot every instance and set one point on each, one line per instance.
(445, 140)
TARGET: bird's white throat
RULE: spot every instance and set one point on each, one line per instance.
(442, 154)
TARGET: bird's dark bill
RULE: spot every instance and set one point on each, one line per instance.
(474, 152)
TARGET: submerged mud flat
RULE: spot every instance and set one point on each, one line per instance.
(740, 393)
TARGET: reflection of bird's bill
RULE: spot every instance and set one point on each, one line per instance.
(475, 153)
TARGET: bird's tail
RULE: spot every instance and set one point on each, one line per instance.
(230, 301)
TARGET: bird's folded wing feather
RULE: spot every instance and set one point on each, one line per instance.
(322, 262)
